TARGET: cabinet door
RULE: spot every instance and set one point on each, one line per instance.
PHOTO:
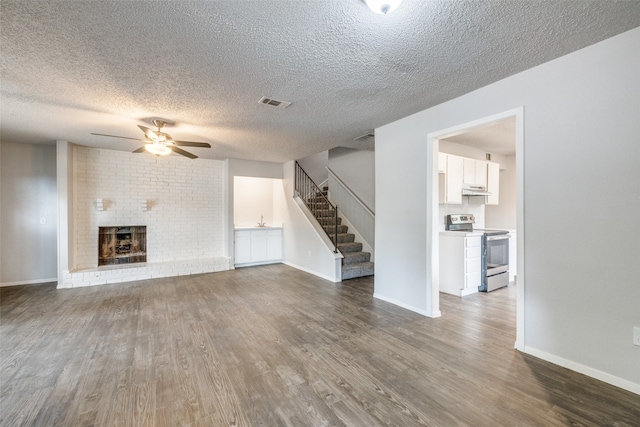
(469, 170)
(453, 190)
(243, 247)
(442, 178)
(258, 245)
(474, 171)
(442, 162)
(274, 245)
(472, 262)
(481, 173)
(493, 183)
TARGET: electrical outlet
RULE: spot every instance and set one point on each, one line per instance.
(636, 335)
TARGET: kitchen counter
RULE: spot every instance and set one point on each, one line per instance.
(461, 233)
(255, 227)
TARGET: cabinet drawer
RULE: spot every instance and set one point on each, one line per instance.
(473, 252)
(274, 232)
(243, 233)
(473, 265)
(470, 242)
(472, 280)
(258, 233)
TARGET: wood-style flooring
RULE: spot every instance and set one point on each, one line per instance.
(274, 346)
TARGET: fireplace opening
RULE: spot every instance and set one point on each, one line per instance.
(122, 245)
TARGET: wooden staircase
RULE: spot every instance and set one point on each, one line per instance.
(355, 263)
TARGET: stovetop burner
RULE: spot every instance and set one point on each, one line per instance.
(464, 222)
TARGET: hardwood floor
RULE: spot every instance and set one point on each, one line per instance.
(273, 346)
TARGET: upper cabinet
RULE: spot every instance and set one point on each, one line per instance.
(455, 170)
(474, 172)
(450, 178)
(493, 183)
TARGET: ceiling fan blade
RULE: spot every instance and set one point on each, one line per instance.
(184, 153)
(140, 150)
(115, 136)
(150, 134)
(192, 144)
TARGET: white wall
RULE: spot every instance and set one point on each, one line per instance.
(356, 168)
(247, 169)
(503, 215)
(28, 250)
(305, 243)
(581, 291)
(316, 166)
(253, 199)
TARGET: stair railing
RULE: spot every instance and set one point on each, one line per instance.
(310, 193)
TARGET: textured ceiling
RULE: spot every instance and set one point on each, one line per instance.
(69, 68)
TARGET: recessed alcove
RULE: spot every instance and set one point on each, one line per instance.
(122, 244)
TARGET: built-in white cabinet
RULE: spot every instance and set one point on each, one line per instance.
(474, 171)
(254, 246)
(454, 171)
(243, 246)
(450, 178)
(493, 183)
(460, 263)
(513, 255)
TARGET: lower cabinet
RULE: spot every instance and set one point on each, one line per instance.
(460, 263)
(258, 246)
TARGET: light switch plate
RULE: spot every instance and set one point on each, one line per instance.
(636, 335)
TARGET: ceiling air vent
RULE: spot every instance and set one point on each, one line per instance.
(367, 135)
(273, 102)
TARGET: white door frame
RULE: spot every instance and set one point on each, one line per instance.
(433, 243)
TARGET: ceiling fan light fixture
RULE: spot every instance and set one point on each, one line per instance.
(383, 7)
(157, 149)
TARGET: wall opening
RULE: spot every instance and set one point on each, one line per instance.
(122, 244)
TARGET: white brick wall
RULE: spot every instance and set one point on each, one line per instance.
(185, 216)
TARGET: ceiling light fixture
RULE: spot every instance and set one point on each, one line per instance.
(157, 148)
(383, 6)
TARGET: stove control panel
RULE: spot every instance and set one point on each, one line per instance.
(461, 219)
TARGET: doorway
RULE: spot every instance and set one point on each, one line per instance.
(433, 208)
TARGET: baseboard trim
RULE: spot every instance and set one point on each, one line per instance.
(407, 306)
(585, 370)
(315, 273)
(29, 282)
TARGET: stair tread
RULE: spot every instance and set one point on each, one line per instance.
(358, 270)
(359, 265)
(350, 247)
(356, 254)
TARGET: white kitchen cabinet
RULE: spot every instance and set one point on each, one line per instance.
(255, 246)
(513, 255)
(450, 182)
(460, 263)
(493, 183)
(474, 171)
(454, 171)
(442, 163)
(243, 246)
(274, 244)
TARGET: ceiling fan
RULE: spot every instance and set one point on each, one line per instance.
(160, 143)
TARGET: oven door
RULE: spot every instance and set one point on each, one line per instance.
(495, 262)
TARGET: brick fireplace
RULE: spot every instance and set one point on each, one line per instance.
(197, 195)
(122, 244)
